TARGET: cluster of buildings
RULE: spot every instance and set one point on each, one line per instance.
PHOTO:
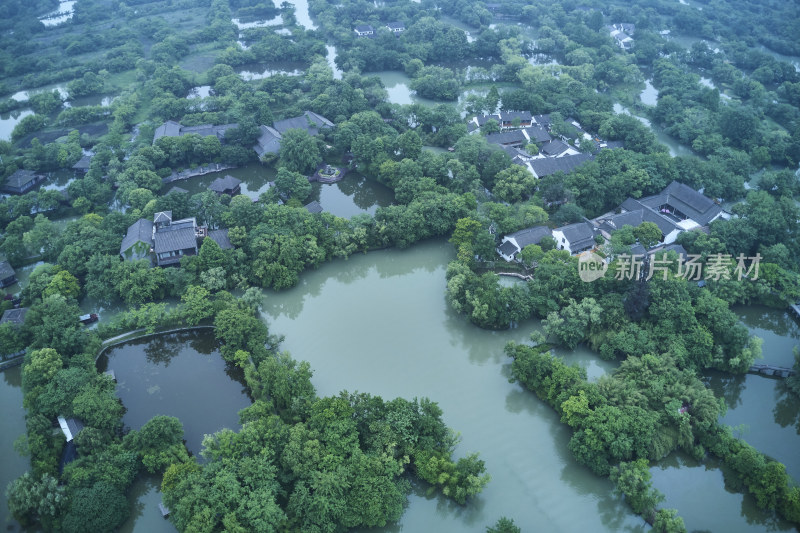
(270, 140)
(366, 30)
(675, 209)
(519, 129)
(622, 34)
(166, 241)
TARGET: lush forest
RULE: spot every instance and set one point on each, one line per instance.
(310, 463)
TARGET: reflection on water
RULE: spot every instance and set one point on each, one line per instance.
(144, 497)
(302, 15)
(705, 501)
(675, 148)
(181, 375)
(379, 323)
(12, 425)
(260, 71)
(62, 13)
(769, 413)
(8, 122)
(354, 195)
(649, 96)
(255, 180)
(258, 23)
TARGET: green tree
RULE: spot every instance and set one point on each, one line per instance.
(504, 525)
(159, 443)
(648, 234)
(101, 508)
(197, 305)
(299, 152)
(668, 521)
(63, 283)
(31, 500)
(633, 480)
(514, 184)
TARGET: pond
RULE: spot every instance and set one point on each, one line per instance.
(331, 58)
(64, 12)
(24, 95)
(201, 91)
(302, 15)
(770, 414)
(144, 497)
(258, 23)
(649, 96)
(260, 71)
(398, 86)
(703, 499)
(675, 148)
(8, 122)
(354, 195)
(255, 180)
(12, 425)
(181, 375)
(381, 325)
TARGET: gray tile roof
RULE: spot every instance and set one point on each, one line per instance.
(168, 129)
(207, 130)
(314, 207)
(83, 163)
(550, 165)
(269, 142)
(544, 120)
(507, 248)
(509, 116)
(139, 231)
(538, 134)
(308, 121)
(506, 137)
(162, 216)
(220, 236)
(6, 270)
(16, 317)
(21, 179)
(178, 190)
(395, 25)
(224, 185)
(578, 232)
(554, 147)
(534, 235)
(363, 28)
(173, 238)
(688, 201)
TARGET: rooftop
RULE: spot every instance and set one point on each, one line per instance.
(222, 185)
(6, 270)
(175, 237)
(16, 317)
(550, 165)
(139, 231)
(220, 236)
(534, 235)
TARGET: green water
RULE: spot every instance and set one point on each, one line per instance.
(12, 425)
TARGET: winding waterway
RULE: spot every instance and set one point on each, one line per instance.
(12, 425)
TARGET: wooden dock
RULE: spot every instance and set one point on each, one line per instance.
(772, 371)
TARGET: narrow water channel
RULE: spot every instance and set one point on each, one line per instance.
(12, 426)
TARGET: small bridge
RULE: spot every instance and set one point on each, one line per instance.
(770, 370)
(796, 309)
